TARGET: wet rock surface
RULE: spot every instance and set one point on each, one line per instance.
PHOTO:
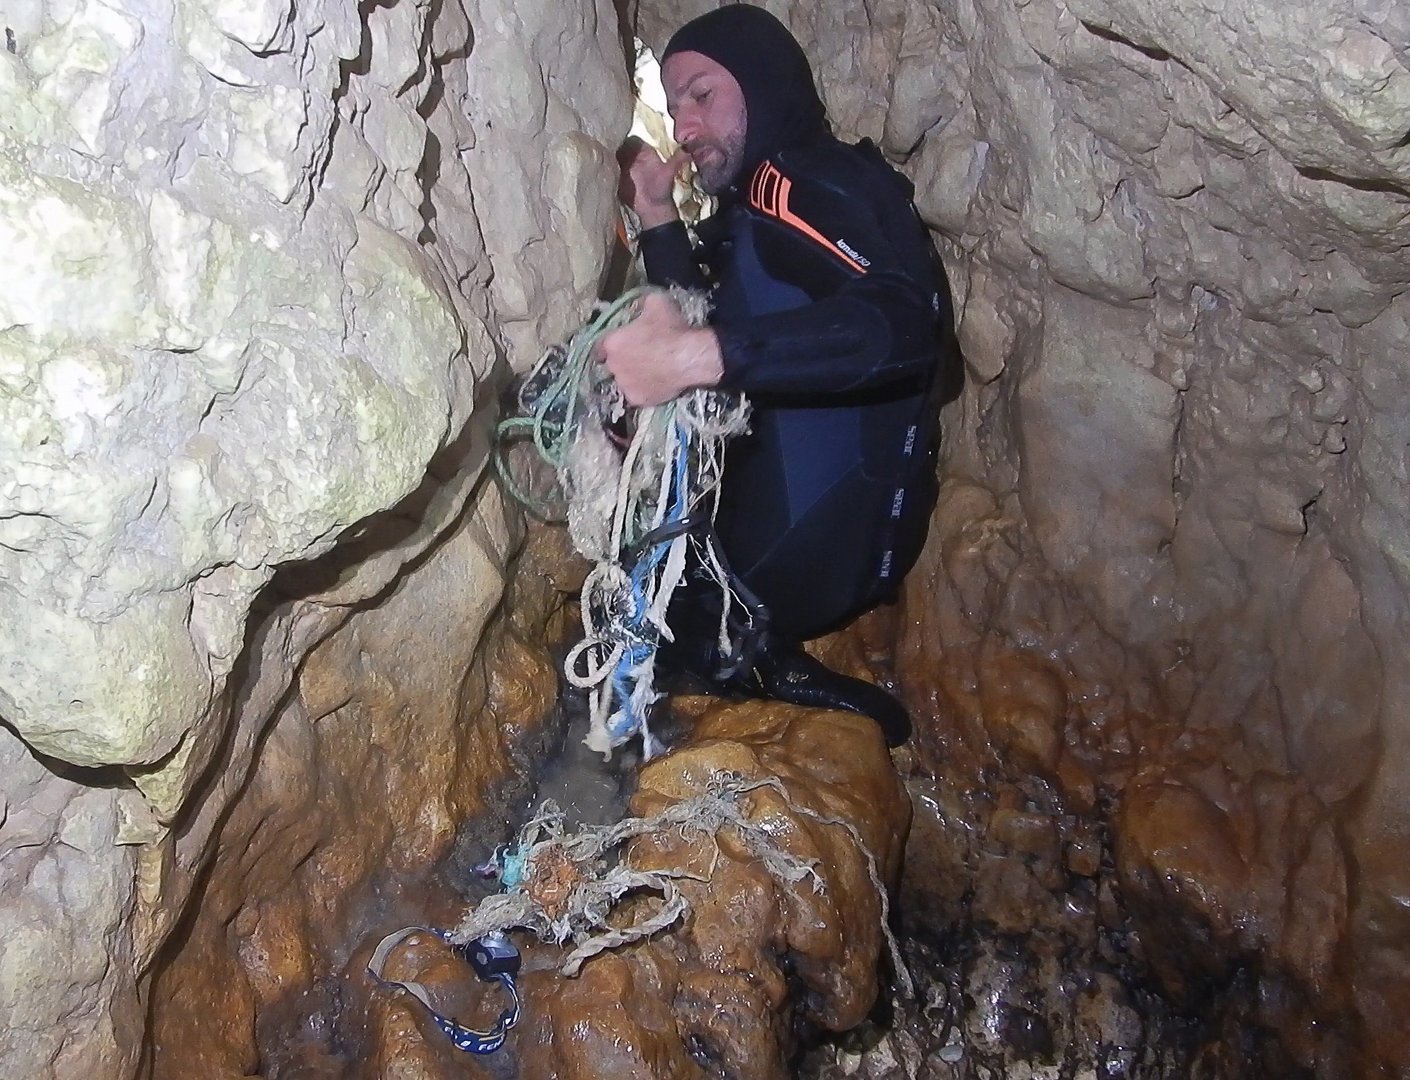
(1035, 951)
(755, 968)
(337, 825)
(264, 262)
(760, 957)
(1029, 966)
(1105, 889)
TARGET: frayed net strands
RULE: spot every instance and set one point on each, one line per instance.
(632, 510)
(564, 886)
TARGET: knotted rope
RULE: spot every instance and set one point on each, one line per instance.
(564, 885)
(636, 511)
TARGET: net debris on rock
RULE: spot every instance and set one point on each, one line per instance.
(565, 886)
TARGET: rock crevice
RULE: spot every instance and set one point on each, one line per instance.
(269, 265)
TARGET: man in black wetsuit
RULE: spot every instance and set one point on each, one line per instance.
(828, 310)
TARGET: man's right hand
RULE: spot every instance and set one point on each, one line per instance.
(647, 182)
(658, 355)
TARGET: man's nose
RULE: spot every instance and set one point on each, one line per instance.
(687, 126)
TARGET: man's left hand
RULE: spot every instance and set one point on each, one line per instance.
(658, 355)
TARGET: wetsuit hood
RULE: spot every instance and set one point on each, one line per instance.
(781, 103)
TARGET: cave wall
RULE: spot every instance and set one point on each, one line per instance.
(266, 268)
(1177, 475)
(266, 263)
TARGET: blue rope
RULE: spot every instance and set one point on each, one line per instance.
(644, 637)
(564, 392)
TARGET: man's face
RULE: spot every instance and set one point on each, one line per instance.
(707, 106)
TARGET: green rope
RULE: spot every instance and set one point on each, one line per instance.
(553, 413)
(630, 508)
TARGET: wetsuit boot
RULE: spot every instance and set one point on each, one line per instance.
(691, 663)
(764, 665)
(784, 672)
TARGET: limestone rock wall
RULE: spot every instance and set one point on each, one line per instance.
(1179, 236)
(265, 267)
(1181, 243)
(264, 262)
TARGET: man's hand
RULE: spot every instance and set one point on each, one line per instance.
(658, 355)
(646, 183)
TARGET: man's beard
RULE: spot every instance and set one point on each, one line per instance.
(720, 169)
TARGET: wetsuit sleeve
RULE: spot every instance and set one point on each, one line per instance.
(852, 243)
(669, 257)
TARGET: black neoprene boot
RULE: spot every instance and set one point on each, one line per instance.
(784, 672)
(763, 666)
(690, 665)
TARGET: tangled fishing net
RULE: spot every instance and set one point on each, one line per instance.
(565, 886)
(638, 485)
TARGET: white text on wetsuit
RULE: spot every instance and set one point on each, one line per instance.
(848, 250)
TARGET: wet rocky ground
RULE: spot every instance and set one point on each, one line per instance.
(1025, 964)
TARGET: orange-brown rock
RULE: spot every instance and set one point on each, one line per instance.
(1248, 865)
(1216, 859)
(402, 726)
(721, 993)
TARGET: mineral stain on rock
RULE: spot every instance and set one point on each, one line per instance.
(758, 962)
(1026, 961)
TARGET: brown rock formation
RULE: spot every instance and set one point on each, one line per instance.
(362, 782)
(754, 961)
(265, 261)
(1212, 864)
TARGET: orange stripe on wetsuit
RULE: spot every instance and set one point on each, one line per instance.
(768, 193)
